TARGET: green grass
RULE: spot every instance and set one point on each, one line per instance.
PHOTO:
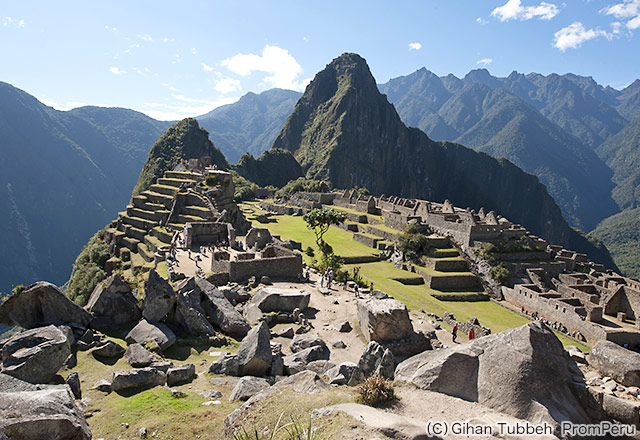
(294, 228)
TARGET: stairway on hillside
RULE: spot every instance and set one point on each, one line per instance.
(142, 229)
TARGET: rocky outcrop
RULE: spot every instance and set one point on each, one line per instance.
(42, 304)
(375, 360)
(159, 298)
(387, 322)
(138, 357)
(227, 364)
(521, 372)
(247, 387)
(156, 332)
(189, 313)
(48, 413)
(617, 362)
(35, 355)
(340, 374)
(137, 380)
(113, 305)
(221, 312)
(272, 299)
(181, 375)
(108, 349)
(254, 354)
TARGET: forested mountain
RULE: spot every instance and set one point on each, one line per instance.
(505, 117)
(62, 176)
(343, 130)
(251, 124)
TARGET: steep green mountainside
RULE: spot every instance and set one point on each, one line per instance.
(343, 130)
(628, 101)
(621, 152)
(273, 167)
(62, 176)
(501, 117)
(621, 234)
(183, 140)
(251, 124)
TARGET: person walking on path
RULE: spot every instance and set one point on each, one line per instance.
(472, 334)
(454, 332)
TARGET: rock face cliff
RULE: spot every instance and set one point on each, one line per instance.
(343, 130)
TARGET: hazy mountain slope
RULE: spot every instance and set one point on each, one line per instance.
(63, 175)
(622, 153)
(345, 131)
(251, 124)
(621, 234)
(504, 125)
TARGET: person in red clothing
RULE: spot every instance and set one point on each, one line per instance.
(472, 334)
(454, 332)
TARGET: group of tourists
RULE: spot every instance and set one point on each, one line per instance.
(328, 277)
(454, 333)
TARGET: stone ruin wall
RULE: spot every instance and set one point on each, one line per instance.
(284, 265)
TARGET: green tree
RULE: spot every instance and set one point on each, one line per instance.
(319, 220)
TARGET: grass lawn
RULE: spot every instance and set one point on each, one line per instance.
(416, 297)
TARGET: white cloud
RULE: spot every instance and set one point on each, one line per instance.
(177, 110)
(628, 10)
(65, 107)
(145, 37)
(116, 71)
(282, 67)
(572, 36)
(481, 20)
(513, 10)
(14, 22)
(194, 51)
(227, 85)
(112, 29)
(415, 46)
(206, 68)
(485, 61)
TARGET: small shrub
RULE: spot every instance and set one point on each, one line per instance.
(500, 273)
(211, 181)
(310, 252)
(17, 289)
(375, 390)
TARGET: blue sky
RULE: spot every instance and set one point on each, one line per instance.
(176, 59)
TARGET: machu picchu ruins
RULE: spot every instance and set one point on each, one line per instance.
(338, 265)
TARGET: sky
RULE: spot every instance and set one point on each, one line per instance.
(171, 60)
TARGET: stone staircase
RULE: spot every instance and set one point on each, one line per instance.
(137, 232)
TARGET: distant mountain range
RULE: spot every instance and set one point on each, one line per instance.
(66, 174)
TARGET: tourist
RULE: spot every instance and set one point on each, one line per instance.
(197, 260)
(356, 289)
(371, 287)
(307, 277)
(472, 334)
(454, 332)
(322, 281)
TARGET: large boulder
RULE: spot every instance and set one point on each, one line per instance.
(521, 372)
(384, 320)
(137, 380)
(181, 374)
(189, 312)
(306, 340)
(159, 298)
(340, 374)
(221, 312)
(297, 362)
(617, 362)
(247, 387)
(254, 354)
(139, 357)
(35, 355)
(227, 364)
(375, 360)
(113, 305)
(42, 304)
(272, 299)
(108, 349)
(147, 331)
(48, 413)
